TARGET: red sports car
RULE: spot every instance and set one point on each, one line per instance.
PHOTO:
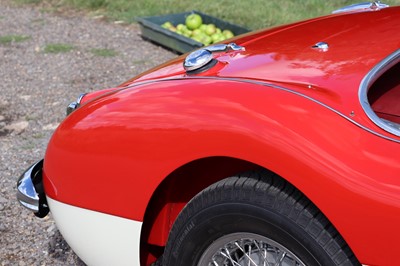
(281, 147)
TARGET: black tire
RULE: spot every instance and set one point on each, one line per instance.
(259, 208)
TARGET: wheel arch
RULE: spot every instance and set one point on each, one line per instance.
(176, 190)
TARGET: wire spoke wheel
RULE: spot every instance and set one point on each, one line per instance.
(248, 249)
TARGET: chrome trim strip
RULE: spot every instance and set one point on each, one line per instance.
(267, 85)
(367, 81)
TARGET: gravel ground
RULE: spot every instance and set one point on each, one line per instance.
(35, 89)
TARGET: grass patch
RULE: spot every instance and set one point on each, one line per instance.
(104, 52)
(7, 39)
(56, 48)
(253, 14)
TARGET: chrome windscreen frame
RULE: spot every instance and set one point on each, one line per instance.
(366, 83)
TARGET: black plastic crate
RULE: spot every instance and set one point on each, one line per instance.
(151, 30)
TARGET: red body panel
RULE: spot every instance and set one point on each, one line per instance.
(111, 154)
(357, 42)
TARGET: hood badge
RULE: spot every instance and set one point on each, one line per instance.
(202, 59)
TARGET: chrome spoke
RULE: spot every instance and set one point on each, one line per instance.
(245, 253)
(263, 252)
(281, 258)
(228, 256)
(248, 249)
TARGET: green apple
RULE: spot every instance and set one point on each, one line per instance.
(196, 32)
(167, 25)
(210, 29)
(188, 33)
(202, 38)
(228, 34)
(206, 40)
(180, 27)
(217, 37)
(197, 38)
(193, 21)
(218, 30)
(203, 27)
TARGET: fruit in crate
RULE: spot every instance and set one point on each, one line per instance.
(193, 21)
(195, 29)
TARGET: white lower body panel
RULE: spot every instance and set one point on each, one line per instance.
(98, 238)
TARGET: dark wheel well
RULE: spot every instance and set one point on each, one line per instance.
(173, 194)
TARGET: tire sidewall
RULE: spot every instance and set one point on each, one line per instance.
(213, 222)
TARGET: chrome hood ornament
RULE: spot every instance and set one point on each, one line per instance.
(202, 57)
(366, 6)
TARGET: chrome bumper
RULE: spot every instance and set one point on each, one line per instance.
(30, 192)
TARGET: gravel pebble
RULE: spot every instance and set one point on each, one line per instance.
(35, 89)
